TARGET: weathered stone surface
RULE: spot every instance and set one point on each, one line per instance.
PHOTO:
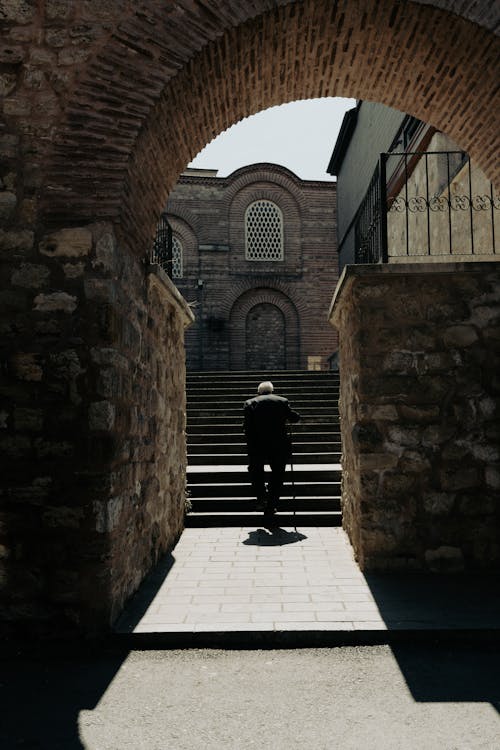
(63, 517)
(28, 420)
(8, 203)
(109, 358)
(414, 462)
(106, 258)
(396, 485)
(481, 505)
(377, 461)
(382, 412)
(442, 396)
(55, 302)
(53, 449)
(101, 415)
(418, 414)
(30, 276)
(15, 446)
(26, 366)
(459, 478)
(107, 514)
(16, 242)
(404, 436)
(460, 336)
(20, 11)
(445, 559)
(68, 243)
(438, 503)
(56, 37)
(73, 270)
(101, 290)
(492, 476)
(17, 106)
(58, 9)
(403, 362)
(486, 314)
(9, 147)
(11, 54)
(28, 211)
(12, 301)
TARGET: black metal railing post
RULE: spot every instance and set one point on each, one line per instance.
(384, 255)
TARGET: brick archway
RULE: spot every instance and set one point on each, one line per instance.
(131, 92)
(105, 104)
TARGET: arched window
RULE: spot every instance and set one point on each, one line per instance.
(263, 231)
(176, 257)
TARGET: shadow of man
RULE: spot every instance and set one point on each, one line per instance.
(273, 537)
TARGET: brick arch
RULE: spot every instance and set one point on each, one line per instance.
(233, 62)
(238, 318)
(265, 172)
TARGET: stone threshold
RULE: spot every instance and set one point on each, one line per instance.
(307, 638)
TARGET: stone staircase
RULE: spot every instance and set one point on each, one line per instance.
(218, 482)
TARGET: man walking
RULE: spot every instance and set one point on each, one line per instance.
(265, 418)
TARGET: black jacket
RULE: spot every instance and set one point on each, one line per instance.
(265, 419)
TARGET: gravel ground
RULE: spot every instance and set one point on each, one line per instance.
(393, 698)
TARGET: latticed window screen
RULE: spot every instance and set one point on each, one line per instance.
(263, 231)
(176, 258)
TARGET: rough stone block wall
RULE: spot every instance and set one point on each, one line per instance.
(420, 408)
(92, 409)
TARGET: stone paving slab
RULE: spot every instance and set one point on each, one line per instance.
(231, 468)
(254, 580)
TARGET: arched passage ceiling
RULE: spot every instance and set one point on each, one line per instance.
(158, 80)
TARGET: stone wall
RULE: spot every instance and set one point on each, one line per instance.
(92, 410)
(420, 407)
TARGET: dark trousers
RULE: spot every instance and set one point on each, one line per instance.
(277, 463)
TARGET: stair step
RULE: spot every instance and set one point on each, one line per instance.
(213, 491)
(304, 446)
(263, 374)
(230, 412)
(222, 421)
(204, 459)
(239, 474)
(240, 504)
(242, 394)
(218, 431)
(205, 520)
(331, 433)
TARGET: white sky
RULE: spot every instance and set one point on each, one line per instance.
(299, 136)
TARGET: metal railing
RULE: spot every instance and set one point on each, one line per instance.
(161, 252)
(426, 204)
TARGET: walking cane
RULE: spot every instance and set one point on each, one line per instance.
(294, 500)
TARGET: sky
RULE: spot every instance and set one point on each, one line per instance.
(299, 136)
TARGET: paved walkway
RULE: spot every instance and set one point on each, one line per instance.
(252, 580)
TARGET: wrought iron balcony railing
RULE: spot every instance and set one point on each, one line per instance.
(426, 204)
(162, 252)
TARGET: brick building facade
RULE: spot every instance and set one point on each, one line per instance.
(255, 256)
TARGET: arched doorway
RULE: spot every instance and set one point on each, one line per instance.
(264, 328)
(265, 338)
